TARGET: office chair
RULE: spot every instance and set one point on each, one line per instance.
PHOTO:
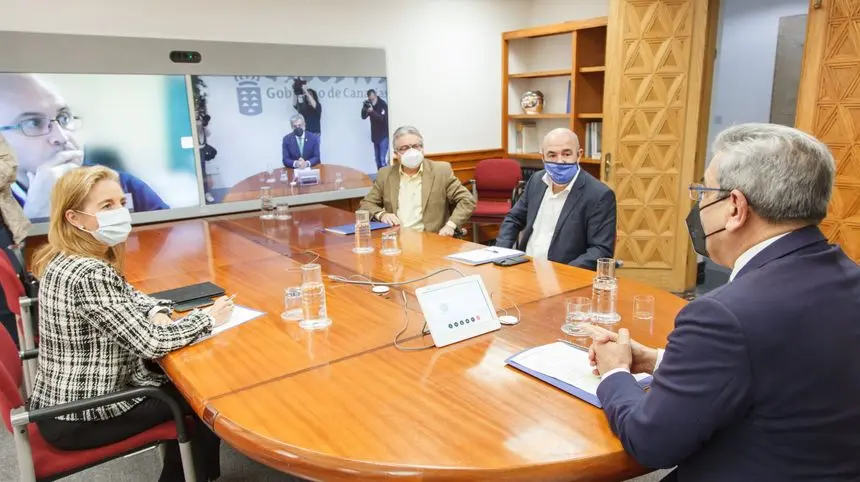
(39, 461)
(494, 187)
(15, 294)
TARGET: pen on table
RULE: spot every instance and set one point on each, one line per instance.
(578, 347)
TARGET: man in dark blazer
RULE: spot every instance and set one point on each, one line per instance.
(564, 214)
(760, 379)
(300, 148)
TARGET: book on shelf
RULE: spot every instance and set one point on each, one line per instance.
(593, 132)
(527, 137)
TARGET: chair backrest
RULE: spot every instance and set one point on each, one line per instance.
(497, 178)
(11, 375)
(9, 358)
(13, 289)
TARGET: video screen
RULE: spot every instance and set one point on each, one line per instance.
(258, 130)
(138, 125)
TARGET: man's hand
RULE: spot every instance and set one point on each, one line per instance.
(644, 357)
(369, 109)
(38, 202)
(301, 163)
(614, 354)
(446, 230)
(389, 218)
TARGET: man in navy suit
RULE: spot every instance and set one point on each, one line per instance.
(760, 379)
(300, 148)
(564, 214)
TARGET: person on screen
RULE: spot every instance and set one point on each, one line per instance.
(300, 148)
(98, 334)
(39, 125)
(377, 110)
(564, 214)
(760, 379)
(398, 193)
(309, 106)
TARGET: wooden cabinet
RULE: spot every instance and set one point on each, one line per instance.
(828, 107)
(566, 62)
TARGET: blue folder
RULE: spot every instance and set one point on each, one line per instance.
(566, 387)
(350, 228)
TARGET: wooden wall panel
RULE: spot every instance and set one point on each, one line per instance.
(829, 108)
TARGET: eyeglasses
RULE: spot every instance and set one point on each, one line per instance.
(41, 125)
(404, 148)
(698, 190)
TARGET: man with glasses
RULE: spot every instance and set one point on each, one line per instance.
(564, 214)
(760, 379)
(39, 127)
(418, 193)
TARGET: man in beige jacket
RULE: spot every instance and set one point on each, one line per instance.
(418, 193)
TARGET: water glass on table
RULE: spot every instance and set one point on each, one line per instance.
(267, 204)
(578, 311)
(338, 181)
(389, 244)
(292, 304)
(282, 212)
(643, 310)
(314, 311)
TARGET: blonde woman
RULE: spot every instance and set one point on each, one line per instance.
(97, 331)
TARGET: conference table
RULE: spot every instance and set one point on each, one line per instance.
(345, 403)
(249, 188)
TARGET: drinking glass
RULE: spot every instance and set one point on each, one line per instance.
(292, 304)
(338, 181)
(643, 310)
(389, 244)
(267, 205)
(362, 233)
(270, 171)
(578, 311)
(606, 268)
(282, 212)
(314, 312)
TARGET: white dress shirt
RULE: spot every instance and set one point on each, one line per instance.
(547, 217)
(742, 261)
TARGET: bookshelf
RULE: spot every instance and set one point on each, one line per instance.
(567, 63)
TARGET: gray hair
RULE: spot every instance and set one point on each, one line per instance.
(297, 117)
(407, 131)
(785, 174)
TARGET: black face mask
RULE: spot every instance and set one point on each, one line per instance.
(298, 131)
(697, 231)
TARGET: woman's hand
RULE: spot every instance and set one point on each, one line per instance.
(221, 310)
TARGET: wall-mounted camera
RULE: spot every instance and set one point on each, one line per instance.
(185, 57)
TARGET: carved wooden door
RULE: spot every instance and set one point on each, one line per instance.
(828, 107)
(659, 69)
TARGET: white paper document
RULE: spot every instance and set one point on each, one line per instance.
(240, 315)
(565, 363)
(484, 255)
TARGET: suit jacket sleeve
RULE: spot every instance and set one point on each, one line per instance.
(315, 155)
(702, 384)
(459, 197)
(373, 201)
(515, 220)
(600, 233)
(285, 153)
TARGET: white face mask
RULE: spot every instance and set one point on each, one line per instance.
(412, 158)
(114, 226)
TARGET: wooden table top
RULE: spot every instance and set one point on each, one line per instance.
(249, 188)
(344, 403)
